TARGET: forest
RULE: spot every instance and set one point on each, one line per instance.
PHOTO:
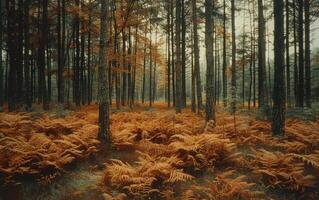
(159, 99)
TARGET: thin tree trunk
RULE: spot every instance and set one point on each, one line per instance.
(168, 54)
(183, 24)
(124, 74)
(196, 58)
(173, 54)
(77, 90)
(60, 65)
(144, 67)
(179, 86)
(89, 66)
(234, 77)
(287, 54)
(43, 43)
(243, 68)
(224, 57)
(301, 53)
(251, 57)
(151, 69)
(193, 82)
(2, 79)
(296, 75)
(63, 56)
(307, 53)
(20, 54)
(262, 87)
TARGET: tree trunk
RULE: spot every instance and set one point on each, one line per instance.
(278, 121)
(307, 53)
(63, 55)
(43, 43)
(77, 87)
(234, 77)
(197, 76)
(179, 87)
(59, 46)
(296, 75)
(104, 118)
(210, 106)
(224, 57)
(1, 63)
(20, 54)
(124, 75)
(193, 82)
(144, 67)
(183, 23)
(168, 53)
(173, 54)
(262, 94)
(89, 75)
(287, 54)
(151, 69)
(301, 53)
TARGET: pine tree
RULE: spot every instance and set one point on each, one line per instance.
(104, 118)
(210, 106)
(278, 121)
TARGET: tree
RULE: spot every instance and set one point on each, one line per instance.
(12, 54)
(1, 64)
(210, 106)
(307, 53)
(60, 58)
(42, 53)
(262, 94)
(224, 57)
(278, 121)
(296, 75)
(183, 56)
(178, 101)
(168, 33)
(287, 53)
(76, 87)
(104, 118)
(196, 57)
(28, 95)
(234, 77)
(301, 63)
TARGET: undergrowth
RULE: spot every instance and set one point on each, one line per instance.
(178, 156)
(176, 151)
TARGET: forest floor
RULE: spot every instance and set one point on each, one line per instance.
(156, 154)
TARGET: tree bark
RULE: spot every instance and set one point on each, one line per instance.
(287, 53)
(262, 94)
(296, 75)
(234, 77)
(2, 79)
(197, 76)
(301, 53)
(179, 89)
(59, 46)
(210, 106)
(168, 53)
(43, 44)
(104, 118)
(183, 58)
(278, 121)
(307, 54)
(224, 57)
